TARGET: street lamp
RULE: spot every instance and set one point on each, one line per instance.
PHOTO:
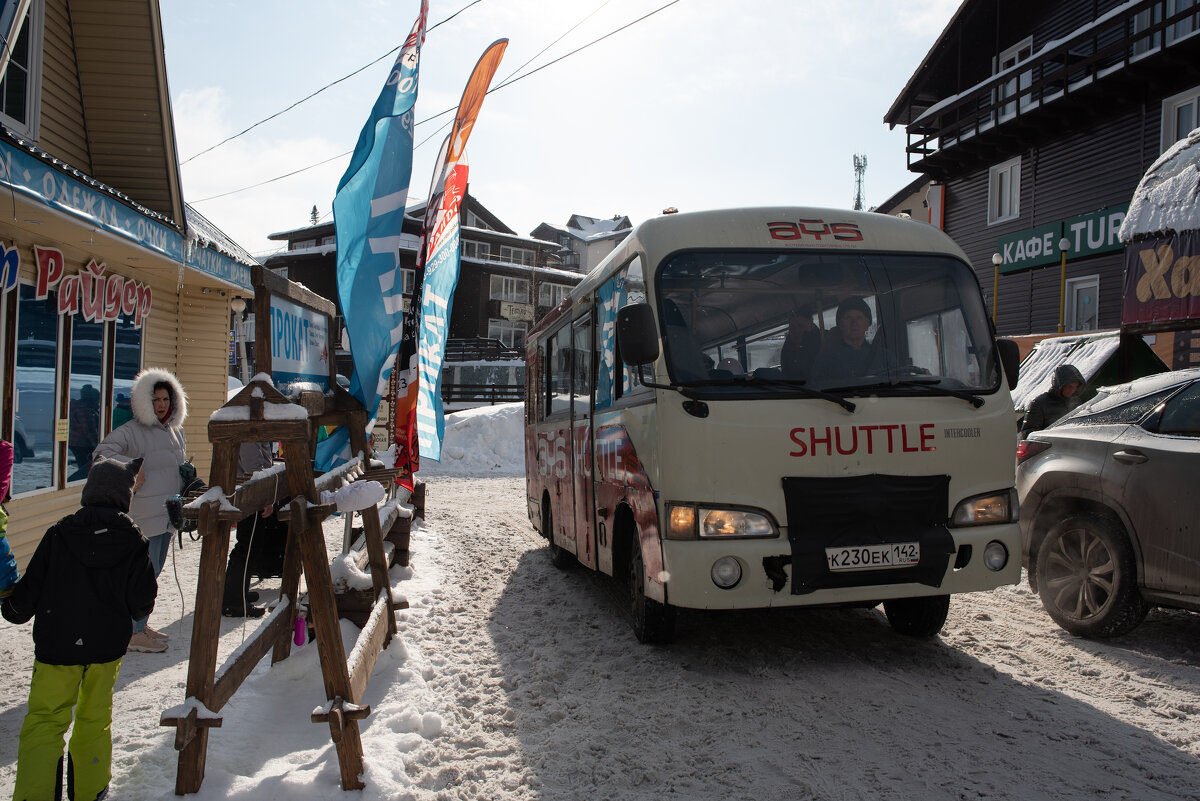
(997, 260)
(238, 305)
(1064, 245)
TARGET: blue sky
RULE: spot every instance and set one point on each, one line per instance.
(705, 104)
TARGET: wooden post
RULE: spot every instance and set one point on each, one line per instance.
(323, 608)
(206, 626)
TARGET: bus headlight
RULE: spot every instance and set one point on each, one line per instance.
(996, 507)
(689, 522)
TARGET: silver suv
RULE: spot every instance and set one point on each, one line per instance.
(1110, 505)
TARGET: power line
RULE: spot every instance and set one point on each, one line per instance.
(314, 94)
(503, 85)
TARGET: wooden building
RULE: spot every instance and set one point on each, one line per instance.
(102, 259)
(506, 281)
(1038, 119)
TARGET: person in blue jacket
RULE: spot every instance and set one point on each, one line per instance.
(89, 579)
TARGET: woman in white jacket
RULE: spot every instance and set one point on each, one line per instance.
(155, 434)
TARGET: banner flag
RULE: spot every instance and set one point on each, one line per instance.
(441, 252)
(368, 216)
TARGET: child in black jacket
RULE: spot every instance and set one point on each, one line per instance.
(89, 578)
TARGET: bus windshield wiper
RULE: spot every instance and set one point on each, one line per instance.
(792, 385)
(929, 385)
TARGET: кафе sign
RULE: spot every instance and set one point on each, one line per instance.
(1088, 234)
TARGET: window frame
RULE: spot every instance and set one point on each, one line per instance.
(1073, 286)
(1019, 53)
(1012, 169)
(34, 28)
(518, 295)
(1170, 108)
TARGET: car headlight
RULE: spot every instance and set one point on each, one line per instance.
(689, 522)
(982, 510)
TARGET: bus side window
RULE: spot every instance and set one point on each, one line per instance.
(558, 369)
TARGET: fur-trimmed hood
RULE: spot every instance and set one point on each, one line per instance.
(141, 397)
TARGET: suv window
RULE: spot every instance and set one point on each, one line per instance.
(1181, 414)
(1098, 412)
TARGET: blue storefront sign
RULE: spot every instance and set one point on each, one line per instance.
(299, 344)
(23, 172)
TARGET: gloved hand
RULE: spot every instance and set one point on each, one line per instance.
(175, 512)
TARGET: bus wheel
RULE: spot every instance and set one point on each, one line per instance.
(917, 617)
(559, 557)
(653, 621)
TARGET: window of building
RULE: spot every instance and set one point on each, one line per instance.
(1181, 113)
(516, 255)
(84, 409)
(473, 220)
(37, 336)
(476, 250)
(20, 91)
(301, 244)
(510, 332)
(1004, 191)
(1081, 312)
(552, 294)
(408, 280)
(328, 240)
(1017, 82)
(1144, 20)
(514, 290)
(571, 259)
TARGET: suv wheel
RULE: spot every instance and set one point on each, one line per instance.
(1087, 578)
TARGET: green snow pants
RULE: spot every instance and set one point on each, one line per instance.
(53, 693)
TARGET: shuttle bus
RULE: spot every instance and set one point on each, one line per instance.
(776, 407)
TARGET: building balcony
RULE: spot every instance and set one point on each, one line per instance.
(1068, 84)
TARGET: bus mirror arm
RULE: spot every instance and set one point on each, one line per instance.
(1010, 360)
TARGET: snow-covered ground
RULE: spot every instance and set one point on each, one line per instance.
(512, 680)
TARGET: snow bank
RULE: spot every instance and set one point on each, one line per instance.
(488, 440)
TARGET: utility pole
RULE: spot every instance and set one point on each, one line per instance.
(860, 168)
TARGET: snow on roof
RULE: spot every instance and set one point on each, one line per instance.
(1168, 198)
(208, 235)
(1087, 353)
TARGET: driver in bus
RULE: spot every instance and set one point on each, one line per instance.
(847, 353)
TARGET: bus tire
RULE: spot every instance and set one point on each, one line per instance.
(653, 621)
(917, 617)
(559, 557)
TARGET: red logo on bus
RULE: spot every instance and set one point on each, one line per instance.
(815, 230)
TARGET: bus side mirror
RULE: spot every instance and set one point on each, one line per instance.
(637, 335)
(1010, 360)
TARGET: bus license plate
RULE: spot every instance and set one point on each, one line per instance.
(874, 557)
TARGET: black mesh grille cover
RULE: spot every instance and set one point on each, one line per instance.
(866, 510)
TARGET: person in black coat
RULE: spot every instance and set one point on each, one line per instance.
(89, 578)
(1062, 397)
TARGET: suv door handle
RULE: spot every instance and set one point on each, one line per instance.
(1131, 457)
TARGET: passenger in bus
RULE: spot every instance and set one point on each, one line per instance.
(731, 366)
(801, 344)
(847, 353)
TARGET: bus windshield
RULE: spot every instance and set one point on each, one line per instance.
(755, 323)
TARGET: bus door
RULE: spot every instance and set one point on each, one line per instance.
(582, 457)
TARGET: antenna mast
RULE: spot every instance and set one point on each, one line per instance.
(860, 168)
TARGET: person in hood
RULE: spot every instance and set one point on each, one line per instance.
(89, 578)
(155, 435)
(1062, 397)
